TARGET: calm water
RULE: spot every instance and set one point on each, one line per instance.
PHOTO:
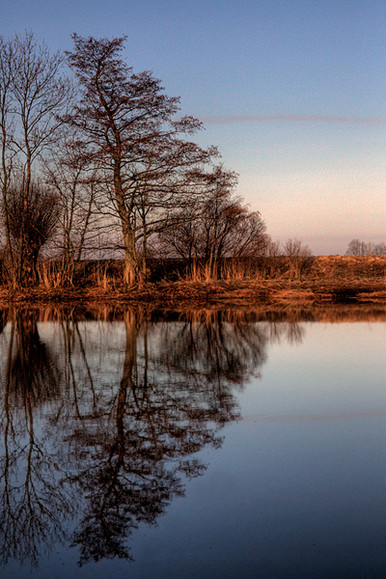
(202, 444)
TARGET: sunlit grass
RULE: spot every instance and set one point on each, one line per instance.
(267, 280)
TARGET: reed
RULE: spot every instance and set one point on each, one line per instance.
(270, 280)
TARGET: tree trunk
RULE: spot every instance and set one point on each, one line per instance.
(132, 270)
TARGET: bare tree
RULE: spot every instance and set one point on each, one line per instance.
(218, 226)
(6, 127)
(37, 220)
(379, 248)
(296, 248)
(298, 253)
(34, 93)
(358, 247)
(129, 125)
(272, 248)
(75, 182)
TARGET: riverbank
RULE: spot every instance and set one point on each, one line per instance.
(239, 292)
(326, 279)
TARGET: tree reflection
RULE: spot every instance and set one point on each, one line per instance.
(3, 319)
(106, 421)
(159, 420)
(32, 370)
(33, 505)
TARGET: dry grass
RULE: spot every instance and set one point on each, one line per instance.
(312, 280)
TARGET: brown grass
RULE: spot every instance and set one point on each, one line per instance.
(336, 279)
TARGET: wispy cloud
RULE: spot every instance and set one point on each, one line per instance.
(220, 120)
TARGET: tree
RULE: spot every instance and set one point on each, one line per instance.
(379, 248)
(74, 180)
(272, 248)
(31, 225)
(129, 126)
(298, 253)
(358, 247)
(296, 248)
(6, 128)
(33, 93)
(218, 226)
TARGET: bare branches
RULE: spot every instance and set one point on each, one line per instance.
(357, 247)
(128, 124)
(119, 158)
(33, 94)
(32, 224)
(296, 248)
(218, 226)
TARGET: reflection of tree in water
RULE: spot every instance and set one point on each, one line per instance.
(33, 506)
(292, 332)
(32, 371)
(213, 350)
(120, 447)
(3, 319)
(161, 417)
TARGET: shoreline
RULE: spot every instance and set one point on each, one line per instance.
(193, 293)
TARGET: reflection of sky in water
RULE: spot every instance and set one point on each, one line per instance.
(336, 370)
(297, 488)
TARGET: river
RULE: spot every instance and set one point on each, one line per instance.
(206, 443)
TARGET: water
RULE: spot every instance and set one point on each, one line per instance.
(194, 444)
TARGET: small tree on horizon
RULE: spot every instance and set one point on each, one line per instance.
(358, 247)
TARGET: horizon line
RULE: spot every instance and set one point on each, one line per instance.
(292, 118)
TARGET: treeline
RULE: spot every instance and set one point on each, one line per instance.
(97, 162)
(357, 247)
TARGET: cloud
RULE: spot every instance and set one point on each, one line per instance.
(220, 120)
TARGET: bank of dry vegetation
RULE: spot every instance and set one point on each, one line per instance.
(279, 280)
(96, 160)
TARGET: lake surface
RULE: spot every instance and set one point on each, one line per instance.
(194, 444)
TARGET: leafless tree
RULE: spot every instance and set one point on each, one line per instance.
(37, 220)
(298, 253)
(296, 248)
(130, 125)
(219, 226)
(379, 248)
(33, 92)
(272, 248)
(358, 247)
(75, 182)
(7, 58)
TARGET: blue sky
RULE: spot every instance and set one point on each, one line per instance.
(291, 91)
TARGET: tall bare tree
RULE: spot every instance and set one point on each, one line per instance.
(6, 127)
(34, 94)
(130, 124)
(75, 181)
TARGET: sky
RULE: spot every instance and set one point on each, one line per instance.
(293, 93)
